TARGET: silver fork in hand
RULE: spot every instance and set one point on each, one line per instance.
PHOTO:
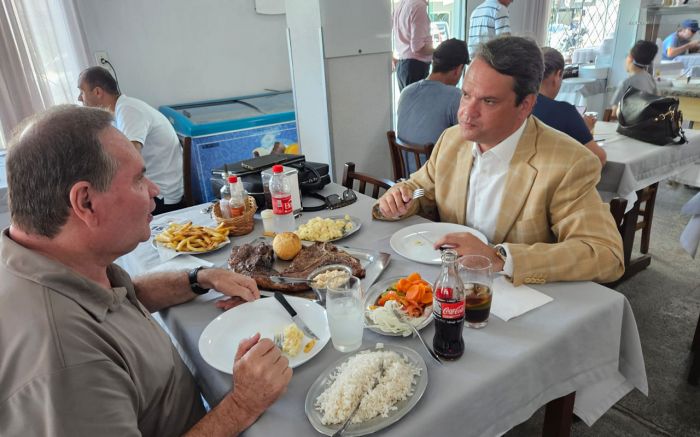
(418, 193)
(278, 340)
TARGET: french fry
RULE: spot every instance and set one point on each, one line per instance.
(192, 238)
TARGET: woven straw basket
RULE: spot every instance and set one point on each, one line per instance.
(240, 225)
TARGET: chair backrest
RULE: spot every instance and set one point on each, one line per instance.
(350, 175)
(186, 143)
(402, 153)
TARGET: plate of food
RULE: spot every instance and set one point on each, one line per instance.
(410, 294)
(387, 381)
(259, 260)
(327, 229)
(219, 340)
(416, 242)
(191, 239)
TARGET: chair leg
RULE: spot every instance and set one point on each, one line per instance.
(648, 215)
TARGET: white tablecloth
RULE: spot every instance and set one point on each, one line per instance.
(633, 164)
(586, 341)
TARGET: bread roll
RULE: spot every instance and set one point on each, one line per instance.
(286, 245)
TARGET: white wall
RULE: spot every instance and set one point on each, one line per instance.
(182, 50)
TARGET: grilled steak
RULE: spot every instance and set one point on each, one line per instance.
(255, 260)
(318, 255)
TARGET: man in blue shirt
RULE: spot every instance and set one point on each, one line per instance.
(679, 42)
(428, 107)
(563, 116)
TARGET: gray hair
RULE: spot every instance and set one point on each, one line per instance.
(517, 57)
(49, 153)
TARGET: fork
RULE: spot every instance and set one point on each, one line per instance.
(278, 339)
(357, 407)
(399, 315)
(418, 193)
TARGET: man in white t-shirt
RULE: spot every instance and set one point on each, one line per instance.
(147, 129)
(488, 21)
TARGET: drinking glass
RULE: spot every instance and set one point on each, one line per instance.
(475, 271)
(345, 314)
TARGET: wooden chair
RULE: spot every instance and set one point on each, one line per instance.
(647, 196)
(350, 176)
(694, 373)
(401, 152)
(186, 143)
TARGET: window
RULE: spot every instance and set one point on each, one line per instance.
(575, 24)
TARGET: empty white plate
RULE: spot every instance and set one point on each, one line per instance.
(415, 242)
(219, 340)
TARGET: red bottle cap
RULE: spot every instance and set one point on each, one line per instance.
(233, 179)
(277, 168)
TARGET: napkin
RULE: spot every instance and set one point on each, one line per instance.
(510, 301)
(182, 262)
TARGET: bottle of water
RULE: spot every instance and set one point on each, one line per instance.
(224, 198)
(237, 201)
(281, 194)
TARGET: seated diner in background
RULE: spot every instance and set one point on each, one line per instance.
(550, 224)
(641, 55)
(680, 42)
(80, 353)
(563, 116)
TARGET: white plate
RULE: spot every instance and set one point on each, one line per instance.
(377, 423)
(371, 298)
(356, 225)
(414, 242)
(219, 340)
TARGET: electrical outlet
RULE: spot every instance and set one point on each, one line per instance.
(101, 58)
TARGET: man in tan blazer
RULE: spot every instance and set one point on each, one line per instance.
(529, 188)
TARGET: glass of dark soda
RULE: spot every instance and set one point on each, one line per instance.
(475, 271)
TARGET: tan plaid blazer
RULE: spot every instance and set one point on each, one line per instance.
(557, 227)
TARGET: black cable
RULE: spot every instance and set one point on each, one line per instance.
(114, 70)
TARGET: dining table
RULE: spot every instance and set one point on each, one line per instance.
(633, 168)
(579, 353)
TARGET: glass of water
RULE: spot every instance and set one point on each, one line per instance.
(345, 314)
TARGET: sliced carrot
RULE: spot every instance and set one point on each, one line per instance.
(413, 277)
(427, 298)
(414, 293)
(402, 285)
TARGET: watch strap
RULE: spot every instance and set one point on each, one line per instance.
(194, 284)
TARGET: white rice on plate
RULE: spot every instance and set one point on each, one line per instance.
(351, 383)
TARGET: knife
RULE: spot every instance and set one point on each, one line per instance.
(295, 317)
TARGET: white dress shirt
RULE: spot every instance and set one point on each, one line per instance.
(486, 182)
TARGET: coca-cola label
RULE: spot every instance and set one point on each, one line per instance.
(449, 310)
(282, 205)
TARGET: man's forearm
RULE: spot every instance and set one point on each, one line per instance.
(157, 291)
(229, 418)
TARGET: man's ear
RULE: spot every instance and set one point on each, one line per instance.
(81, 202)
(527, 104)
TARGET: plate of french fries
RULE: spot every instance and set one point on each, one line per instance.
(192, 239)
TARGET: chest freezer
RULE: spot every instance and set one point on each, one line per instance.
(231, 130)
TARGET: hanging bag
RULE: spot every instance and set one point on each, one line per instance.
(650, 118)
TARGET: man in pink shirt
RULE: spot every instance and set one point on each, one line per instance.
(412, 41)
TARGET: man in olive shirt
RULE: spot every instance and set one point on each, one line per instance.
(80, 354)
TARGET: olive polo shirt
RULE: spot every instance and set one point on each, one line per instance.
(77, 359)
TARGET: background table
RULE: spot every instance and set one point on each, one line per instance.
(633, 166)
(585, 341)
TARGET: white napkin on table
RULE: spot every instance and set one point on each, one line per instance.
(509, 301)
(182, 262)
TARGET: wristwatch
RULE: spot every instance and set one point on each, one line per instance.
(501, 252)
(194, 285)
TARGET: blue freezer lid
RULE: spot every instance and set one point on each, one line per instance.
(216, 116)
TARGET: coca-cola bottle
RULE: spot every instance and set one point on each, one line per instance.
(448, 309)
